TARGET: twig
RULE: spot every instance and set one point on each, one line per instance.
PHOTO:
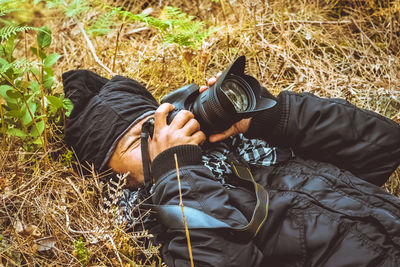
(114, 247)
(116, 46)
(308, 22)
(68, 226)
(3, 127)
(91, 47)
(183, 213)
(137, 30)
(44, 112)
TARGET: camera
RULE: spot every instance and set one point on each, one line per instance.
(233, 97)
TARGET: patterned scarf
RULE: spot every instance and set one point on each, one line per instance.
(254, 151)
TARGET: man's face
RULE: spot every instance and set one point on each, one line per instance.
(127, 156)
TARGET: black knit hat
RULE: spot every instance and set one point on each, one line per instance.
(103, 111)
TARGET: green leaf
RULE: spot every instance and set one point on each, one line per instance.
(4, 89)
(15, 113)
(16, 132)
(68, 105)
(9, 48)
(35, 71)
(55, 101)
(12, 105)
(34, 86)
(5, 66)
(48, 71)
(50, 60)
(48, 81)
(14, 94)
(41, 54)
(34, 131)
(37, 141)
(27, 119)
(44, 37)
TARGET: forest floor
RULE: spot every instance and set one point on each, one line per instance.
(51, 215)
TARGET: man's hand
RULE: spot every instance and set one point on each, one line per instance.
(239, 127)
(183, 130)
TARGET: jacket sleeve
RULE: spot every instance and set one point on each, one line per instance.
(332, 130)
(210, 247)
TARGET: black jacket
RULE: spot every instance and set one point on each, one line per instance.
(325, 206)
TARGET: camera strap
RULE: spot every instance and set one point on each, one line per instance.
(147, 131)
(260, 213)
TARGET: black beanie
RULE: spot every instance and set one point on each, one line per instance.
(103, 111)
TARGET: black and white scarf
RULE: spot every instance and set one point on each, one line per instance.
(254, 151)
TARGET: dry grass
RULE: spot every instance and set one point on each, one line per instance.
(348, 49)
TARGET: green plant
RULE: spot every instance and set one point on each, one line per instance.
(69, 7)
(81, 252)
(26, 88)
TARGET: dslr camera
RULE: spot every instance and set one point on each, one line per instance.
(233, 97)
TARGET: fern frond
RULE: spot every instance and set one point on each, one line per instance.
(102, 24)
(76, 7)
(21, 65)
(54, 3)
(10, 30)
(4, 12)
(185, 31)
(9, 6)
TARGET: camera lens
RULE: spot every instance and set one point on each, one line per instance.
(236, 94)
(220, 106)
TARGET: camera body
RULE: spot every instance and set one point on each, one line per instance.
(233, 97)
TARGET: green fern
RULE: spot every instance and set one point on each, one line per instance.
(53, 3)
(71, 8)
(8, 7)
(76, 7)
(4, 12)
(175, 26)
(185, 30)
(21, 65)
(8, 4)
(102, 25)
(10, 30)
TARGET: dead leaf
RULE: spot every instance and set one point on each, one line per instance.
(32, 230)
(45, 244)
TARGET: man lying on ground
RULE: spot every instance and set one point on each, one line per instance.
(296, 185)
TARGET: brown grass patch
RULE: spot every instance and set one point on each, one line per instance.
(347, 49)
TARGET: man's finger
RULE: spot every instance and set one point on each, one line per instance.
(198, 137)
(181, 119)
(211, 81)
(191, 126)
(203, 88)
(222, 136)
(160, 116)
